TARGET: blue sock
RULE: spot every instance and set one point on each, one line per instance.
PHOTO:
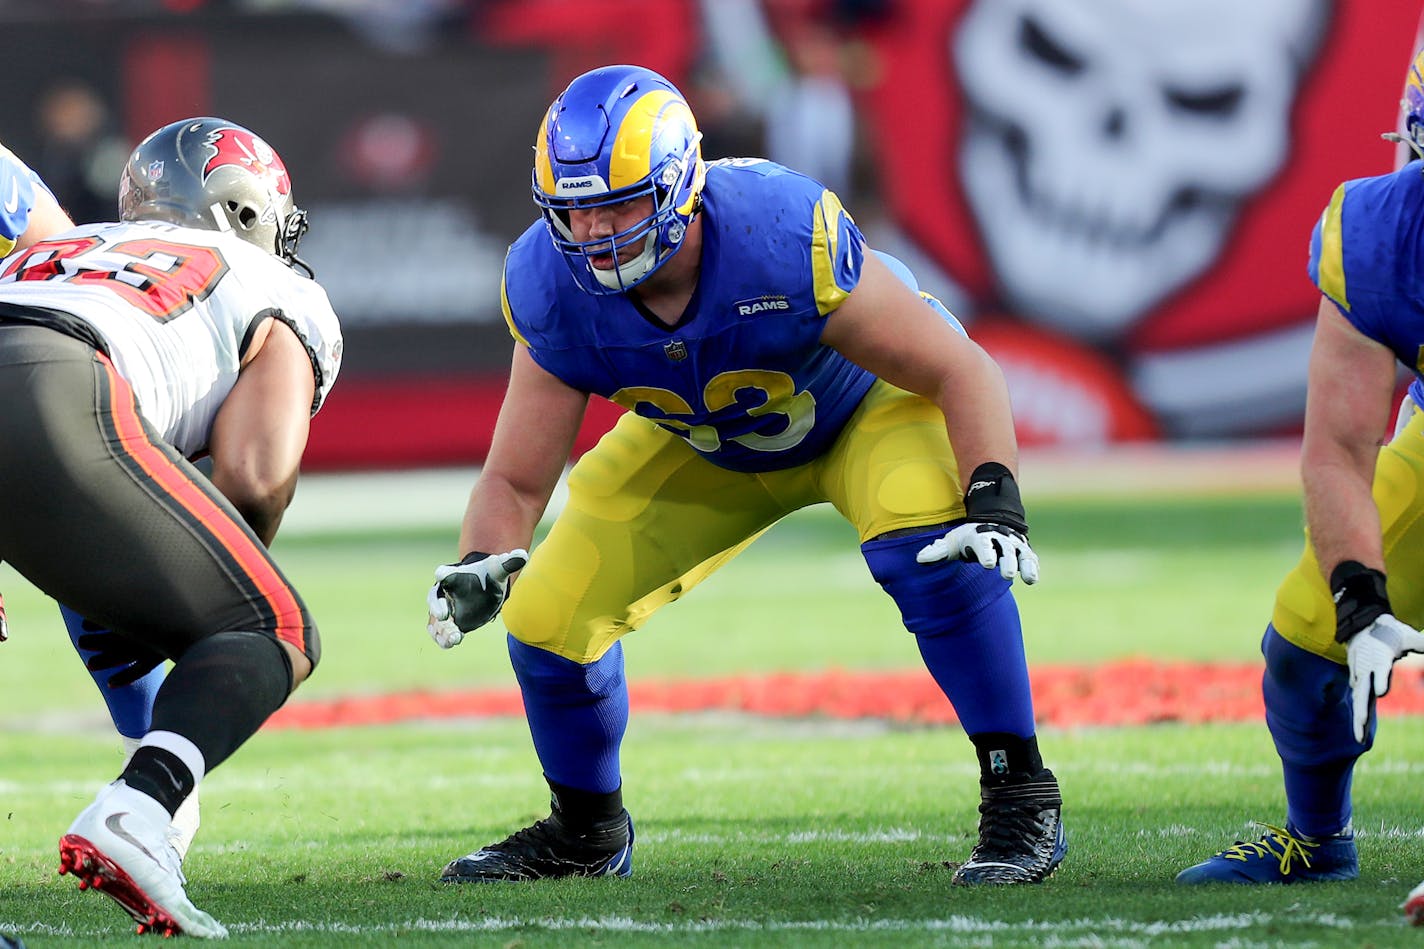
(967, 626)
(130, 706)
(577, 714)
(1309, 715)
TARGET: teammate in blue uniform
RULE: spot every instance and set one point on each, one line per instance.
(1327, 662)
(769, 361)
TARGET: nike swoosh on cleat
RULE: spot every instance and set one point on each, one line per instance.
(12, 203)
(117, 829)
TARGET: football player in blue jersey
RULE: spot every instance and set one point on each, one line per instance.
(769, 361)
(1352, 606)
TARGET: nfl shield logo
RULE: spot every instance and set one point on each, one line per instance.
(155, 170)
(676, 350)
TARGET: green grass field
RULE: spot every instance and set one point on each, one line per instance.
(751, 832)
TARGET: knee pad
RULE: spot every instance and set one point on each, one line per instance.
(249, 672)
(547, 673)
(936, 598)
(1307, 701)
(966, 626)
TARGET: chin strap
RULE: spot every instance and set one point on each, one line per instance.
(1411, 136)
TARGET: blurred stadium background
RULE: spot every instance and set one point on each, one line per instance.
(1115, 198)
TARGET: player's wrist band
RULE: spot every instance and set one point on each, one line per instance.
(1360, 598)
(992, 495)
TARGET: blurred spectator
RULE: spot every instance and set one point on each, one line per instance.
(399, 26)
(811, 121)
(790, 67)
(80, 155)
(730, 127)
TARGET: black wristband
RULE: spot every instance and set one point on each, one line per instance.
(993, 496)
(1360, 598)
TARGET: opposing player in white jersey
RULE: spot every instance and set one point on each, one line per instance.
(126, 350)
(29, 213)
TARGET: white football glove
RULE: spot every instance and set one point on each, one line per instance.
(993, 545)
(1372, 652)
(469, 594)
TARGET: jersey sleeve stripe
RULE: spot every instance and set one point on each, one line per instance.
(1331, 278)
(509, 314)
(826, 252)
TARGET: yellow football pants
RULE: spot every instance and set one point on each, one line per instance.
(1305, 612)
(648, 518)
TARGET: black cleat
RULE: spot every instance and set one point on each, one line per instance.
(1021, 838)
(548, 848)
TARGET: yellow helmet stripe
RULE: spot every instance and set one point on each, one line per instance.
(543, 171)
(629, 162)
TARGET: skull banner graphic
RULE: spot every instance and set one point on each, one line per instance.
(1118, 196)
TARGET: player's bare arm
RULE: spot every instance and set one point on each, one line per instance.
(886, 328)
(533, 437)
(259, 434)
(532, 440)
(1352, 381)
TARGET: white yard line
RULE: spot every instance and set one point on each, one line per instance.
(1085, 931)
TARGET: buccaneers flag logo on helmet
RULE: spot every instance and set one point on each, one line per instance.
(239, 147)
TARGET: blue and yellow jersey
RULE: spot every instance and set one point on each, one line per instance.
(17, 198)
(743, 376)
(1367, 255)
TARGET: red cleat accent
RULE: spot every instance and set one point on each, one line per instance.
(94, 870)
(1414, 907)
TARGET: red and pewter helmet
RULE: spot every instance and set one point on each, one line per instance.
(215, 175)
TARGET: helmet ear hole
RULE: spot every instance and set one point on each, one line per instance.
(247, 217)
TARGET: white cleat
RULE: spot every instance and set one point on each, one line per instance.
(1414, 906)
(119, 845)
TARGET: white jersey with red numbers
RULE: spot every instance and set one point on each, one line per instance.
(176, 309)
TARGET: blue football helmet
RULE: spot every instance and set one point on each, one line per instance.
(615, 134)
(1412, 105)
